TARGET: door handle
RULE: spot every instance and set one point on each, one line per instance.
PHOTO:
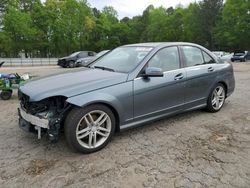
(210, 69)
(179, 76)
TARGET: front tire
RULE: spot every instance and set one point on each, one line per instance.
(216, 98)
(89, 129)
(71, 64)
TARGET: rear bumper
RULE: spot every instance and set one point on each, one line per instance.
(237, 58)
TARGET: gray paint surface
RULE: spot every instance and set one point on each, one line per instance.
(137, 99)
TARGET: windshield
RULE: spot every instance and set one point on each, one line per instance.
(74, 54)
(239, 53)
(122, 59)
(102, 53)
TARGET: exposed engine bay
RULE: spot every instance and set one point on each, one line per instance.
(51, 109)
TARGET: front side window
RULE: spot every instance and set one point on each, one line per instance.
(123, 59)
(82, 54)
(167, 59)
(192, 56)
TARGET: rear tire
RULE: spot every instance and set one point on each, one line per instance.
(6, 94)
(89, 129)
(216, 98)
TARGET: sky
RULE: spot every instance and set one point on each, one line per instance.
(132, 8)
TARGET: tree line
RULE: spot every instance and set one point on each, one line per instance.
(59, 27)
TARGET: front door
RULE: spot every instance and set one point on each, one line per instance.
(160, 95)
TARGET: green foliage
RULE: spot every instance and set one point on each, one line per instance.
(60, 27)
(233, 30)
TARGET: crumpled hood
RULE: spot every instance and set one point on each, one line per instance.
(71, 84)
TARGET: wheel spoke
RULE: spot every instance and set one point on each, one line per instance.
(103, 120)
(215, 93)
(102, 134)
(83, 135)
(217, 103)
(86, 120)
(100, 118)
(103, 129)
(83, 131)
(90, 139)
(214, 101)
(219, 92)
(91, 118)
(94, 139)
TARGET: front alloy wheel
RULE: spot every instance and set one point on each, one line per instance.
(216, 98)
(93, 129)
(89, 129)
(71, 64)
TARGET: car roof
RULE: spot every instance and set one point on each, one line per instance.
(159, 44)
(86, 51)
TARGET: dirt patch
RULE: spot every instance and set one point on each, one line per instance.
(39, 166)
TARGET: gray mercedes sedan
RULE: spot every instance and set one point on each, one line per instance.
(131, 85)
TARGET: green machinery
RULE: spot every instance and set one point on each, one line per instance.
(8, 83)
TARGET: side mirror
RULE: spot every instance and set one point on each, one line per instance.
(153, 72)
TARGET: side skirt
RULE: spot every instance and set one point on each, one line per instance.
(157, 117)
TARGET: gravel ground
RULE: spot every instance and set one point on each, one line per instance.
(195, 149)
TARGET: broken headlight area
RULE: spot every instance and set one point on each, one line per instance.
(45, 116)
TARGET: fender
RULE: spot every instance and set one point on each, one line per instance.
(96, 97)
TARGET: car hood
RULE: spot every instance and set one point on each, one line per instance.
(71, 84)
(67, 57)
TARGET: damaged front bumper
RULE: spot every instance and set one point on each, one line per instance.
(39, 125)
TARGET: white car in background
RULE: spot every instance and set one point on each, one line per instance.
(227, 57)
(219, 53)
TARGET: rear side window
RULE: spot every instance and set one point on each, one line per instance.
(91, 54)
(192, 55)
(207, 58)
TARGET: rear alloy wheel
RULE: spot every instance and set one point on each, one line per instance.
(89, 129)
(6, 94)
(216, 98)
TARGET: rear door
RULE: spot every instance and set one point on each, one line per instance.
(201, 73)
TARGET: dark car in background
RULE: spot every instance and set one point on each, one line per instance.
(129, 86)
(87, 60)
(70, 61)
(241, 56)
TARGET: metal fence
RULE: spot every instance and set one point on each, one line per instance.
(28, 61)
